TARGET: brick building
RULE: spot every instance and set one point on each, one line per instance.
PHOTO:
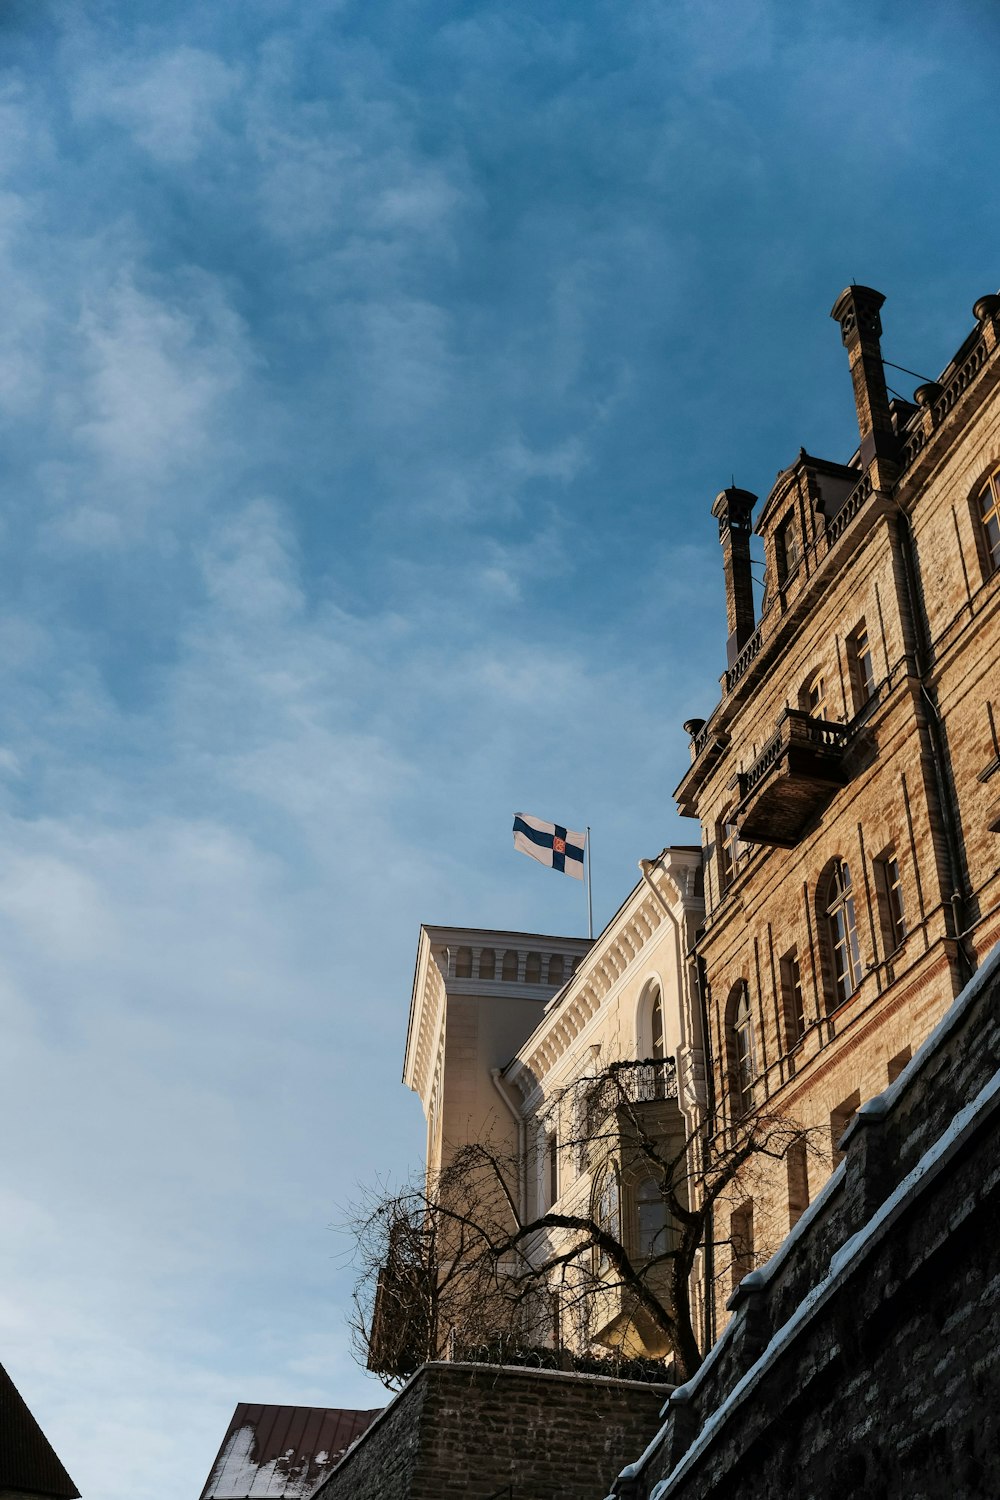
(848, 781)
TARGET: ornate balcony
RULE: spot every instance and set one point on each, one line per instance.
(630, 1086)
(791, 780)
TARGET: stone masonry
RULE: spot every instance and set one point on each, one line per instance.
(468, 1431)
(847, 781)
(863, 1359)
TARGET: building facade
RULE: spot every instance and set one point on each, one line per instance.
(847, 783)
(512, 1038)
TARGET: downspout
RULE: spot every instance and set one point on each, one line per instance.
(645, 865)
(701, 987)
(959, 900)
(522, 1160)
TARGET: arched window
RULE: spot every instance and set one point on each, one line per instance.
(533, 969)
(606, 1209)
(742, 1063)
(837, 903)
(656, 1024)
(509, 970)
(463, 964)
(653, 1219)
(987, 513)
(487, 963)
(812, 698)
(556, 969)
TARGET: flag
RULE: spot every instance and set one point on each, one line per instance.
(559, 848)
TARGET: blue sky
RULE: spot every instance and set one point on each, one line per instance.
(367, 372)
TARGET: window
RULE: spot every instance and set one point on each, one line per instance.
(487, 964)
(652, 1218)
(792, 1002)
(556, 969)
(656, 1024)
(988, 516)
(812, 699)
(842, 934)
(896, 1064)
(741, 1241)
(732, 850)
(788, 553)
(509, 970)
(463, 964)
(797, 1167)
(606, 1210)
(862, 669)
(742, 1065)
(533, 969)
(551, 1167)
(840, 1118)
(889, 891)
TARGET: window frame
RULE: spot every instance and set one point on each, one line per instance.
(793, 1000)
(788, 550)
(861, 665)
(814, 687)
(986, 515)
(741, 1052)
(840, 921)
(610, 1222)
(647, 1194)
(891, 900)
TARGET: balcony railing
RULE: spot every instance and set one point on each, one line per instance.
(795, 774)
(627, 1085)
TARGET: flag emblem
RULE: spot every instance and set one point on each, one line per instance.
(552, 845)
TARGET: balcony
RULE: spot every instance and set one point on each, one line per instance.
(792, 779)
(629, 1086)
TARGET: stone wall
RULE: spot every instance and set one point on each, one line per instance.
(864, 1359)
(465, 1431)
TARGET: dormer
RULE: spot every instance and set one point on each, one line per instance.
(805, 497)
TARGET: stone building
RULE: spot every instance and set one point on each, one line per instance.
(862, 1359)
(847, 783)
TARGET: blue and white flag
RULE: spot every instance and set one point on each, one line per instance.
(559, 848)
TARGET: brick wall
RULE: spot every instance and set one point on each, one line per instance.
(864, 1360)
(464, 1431)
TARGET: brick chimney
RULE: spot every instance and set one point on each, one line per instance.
(857, 312)
(732, 509)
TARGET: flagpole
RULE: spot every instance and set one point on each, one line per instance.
(590, 903)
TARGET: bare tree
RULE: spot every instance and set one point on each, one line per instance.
(458, 1263)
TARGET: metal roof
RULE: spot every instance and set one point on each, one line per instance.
(27, 1461)
(281, 1452)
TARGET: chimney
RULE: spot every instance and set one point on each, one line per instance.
(732, 509)
(857, 312)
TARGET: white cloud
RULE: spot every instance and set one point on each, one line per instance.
(155, 372)
(169, 102)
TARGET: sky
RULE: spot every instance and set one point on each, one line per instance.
(367, 372)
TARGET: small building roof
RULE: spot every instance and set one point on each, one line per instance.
(28, 1463)
(283, 1452)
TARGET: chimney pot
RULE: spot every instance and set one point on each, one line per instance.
(857, 311)
(733, 508)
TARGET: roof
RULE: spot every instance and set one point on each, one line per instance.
(282, 1452)
(27, 1460)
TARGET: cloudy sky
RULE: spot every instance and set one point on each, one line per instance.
(367, 371)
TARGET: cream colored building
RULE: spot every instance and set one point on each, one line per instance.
(504, 1026)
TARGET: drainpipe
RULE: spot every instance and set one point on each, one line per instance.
(522, 1160)
(959, 900)
(645, 865)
